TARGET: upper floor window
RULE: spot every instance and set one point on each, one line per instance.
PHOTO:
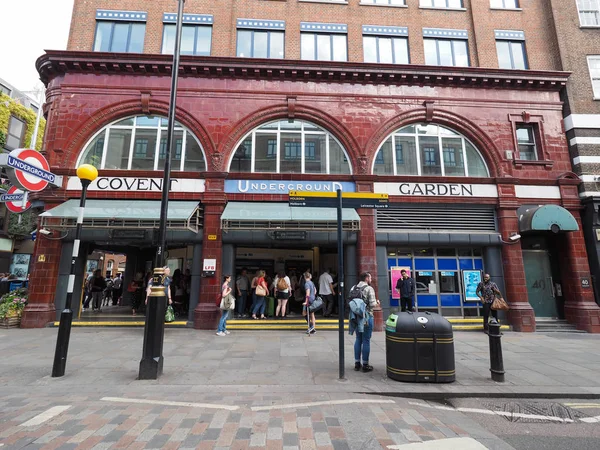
(260, 38)
(589, 13)
(290, 147)
(384, 2)
(387, 45)
(5, 90)
(323, 41)
(446, 47)
(504, 4)
(594, 65)
(526, 142)
(196, 34)
(16, 131)
(140, 143)
(441, 3)
(510, 46)
(120, 31)
(429, 150)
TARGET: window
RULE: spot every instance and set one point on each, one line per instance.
(446, 52)
(504, 4)
(5, 90)
(16, 130)
(140, 143)
(127, 37)
(388, 48)
(594, 65)
(260, 44)
(195, 39)
(511, 53)
(290, 147)
(323, 41)
(384, 2)
(526, 142)
(589, 13)
(441, 3)
(431, 150)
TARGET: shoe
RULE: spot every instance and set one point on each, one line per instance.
(313, 331)
(227, 332)
(220, 333)
(310, 331)
(367, 368)
(357, 366)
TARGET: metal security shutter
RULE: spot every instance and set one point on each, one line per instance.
(437, 217)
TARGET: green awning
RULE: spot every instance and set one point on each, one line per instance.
(547, 218)
(271, 216)
(124, 214)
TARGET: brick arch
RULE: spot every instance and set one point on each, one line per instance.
(301, 112)
(486, 146)
(111, 113)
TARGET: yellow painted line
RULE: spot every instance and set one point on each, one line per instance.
(281, 322)
(282, 327)
(334, 194)
(586, 407)
(117, 324)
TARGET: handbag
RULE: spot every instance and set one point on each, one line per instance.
(170, 314)
(499, 304)
(316, 304)
(260, 291)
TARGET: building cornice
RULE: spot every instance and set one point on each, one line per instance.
(55, 63)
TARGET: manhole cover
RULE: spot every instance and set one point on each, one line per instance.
(535, 412)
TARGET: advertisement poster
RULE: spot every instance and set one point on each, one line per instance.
(471, 278)
(395, 276)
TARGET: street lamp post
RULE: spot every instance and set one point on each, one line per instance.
(151, 364)
(86, 173)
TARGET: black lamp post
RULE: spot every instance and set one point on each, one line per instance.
(86, 174)
(151, 364)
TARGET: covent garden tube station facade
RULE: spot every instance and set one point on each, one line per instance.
(470, 158)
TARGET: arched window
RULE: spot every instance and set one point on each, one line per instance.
(140, 143)
(290, 147)
(429, 150)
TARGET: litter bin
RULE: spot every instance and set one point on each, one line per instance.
(419, 348)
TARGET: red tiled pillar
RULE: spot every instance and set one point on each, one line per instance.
(520, 315)
(580, 307)
(367, 255)
(40, 309)
(206, 314)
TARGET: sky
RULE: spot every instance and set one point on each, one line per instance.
(28, 27)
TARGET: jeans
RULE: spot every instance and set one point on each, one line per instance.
(241, 305)
(363, 342)
(223, 321)
(406, 303)
(487, 307)
(259, 305)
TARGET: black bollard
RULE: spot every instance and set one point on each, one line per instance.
(496, 361)
(151, 365)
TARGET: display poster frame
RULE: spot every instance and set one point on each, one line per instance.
(471, 279)
(395, 275)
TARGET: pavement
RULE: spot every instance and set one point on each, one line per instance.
(279, 390)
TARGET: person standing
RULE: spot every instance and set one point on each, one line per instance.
(326, 292)
(98, 286)
(225, 291)
(87, 292)
(242, 285)
(406, 287)
(283, 287)
(166, 283)
(117, 289)
(310, 291)
(261, 291)
(487, 290)
(362, 344)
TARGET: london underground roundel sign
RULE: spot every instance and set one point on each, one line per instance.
(29, 170)
(14, 200)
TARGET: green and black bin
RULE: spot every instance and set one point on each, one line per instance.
(419, 348)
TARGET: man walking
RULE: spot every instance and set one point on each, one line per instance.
(242, 286)
(406, 287)
(362, 345)
(326, 292)
(487, 290)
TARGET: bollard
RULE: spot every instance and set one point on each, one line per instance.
(496, 362)
(151, 365)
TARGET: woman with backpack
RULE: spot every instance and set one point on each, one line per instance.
(261, 291)
(283, 287)
(225, 306)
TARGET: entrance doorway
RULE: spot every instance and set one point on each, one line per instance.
(540, 287)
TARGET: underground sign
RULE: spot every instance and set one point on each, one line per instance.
(29, 170)
(14, 200)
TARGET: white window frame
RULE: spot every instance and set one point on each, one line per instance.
(374, 3)
(596, 95)
(580, 9)
(455, 8)
(517, 6)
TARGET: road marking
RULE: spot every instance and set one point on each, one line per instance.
(489, 412)
(168, 403)
(325, 403)
(590, 419)
(45, 416)
(463, 443)
(574, 405)
(586, 407)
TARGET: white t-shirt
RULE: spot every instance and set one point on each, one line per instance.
(287, 280)
(324, 284)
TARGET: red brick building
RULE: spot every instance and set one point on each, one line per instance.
(454, 110)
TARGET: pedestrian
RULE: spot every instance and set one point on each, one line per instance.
(310, 292)
(487, 290)
(108, 291)
(253, 290)
(362, 344)
(136, 289)
(225, 308)
(326, 292)
(406, 287)
(87, 291)
(98, 286)
(166, 283)
(283, 287)
(261, 290)
(117, 289)
(242, 285)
